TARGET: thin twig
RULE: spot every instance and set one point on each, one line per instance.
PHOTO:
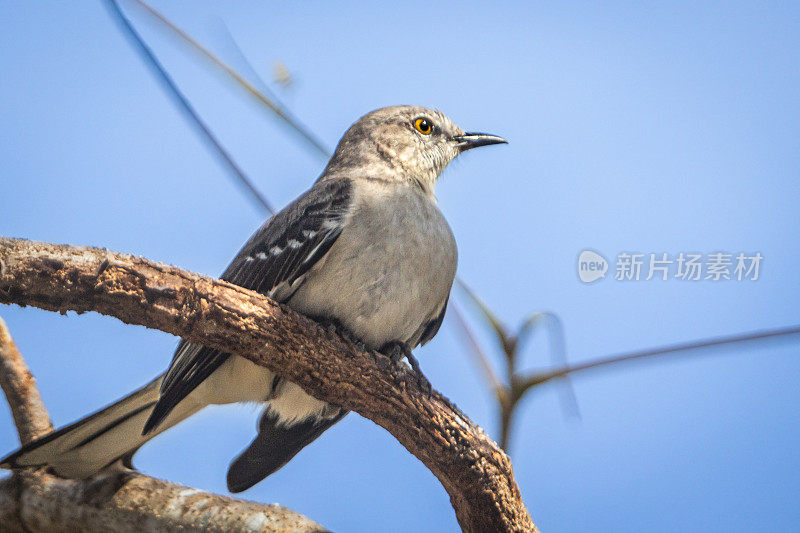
(500, 330)
(18, 384)
(558, 353)
(474, 346)
(280, 111)
(250, 71)
(167, 81)
(542, 377)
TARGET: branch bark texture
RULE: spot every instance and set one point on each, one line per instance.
(128, 502)
(477, 475)
(19, 386)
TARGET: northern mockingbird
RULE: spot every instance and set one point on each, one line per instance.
(365, 248)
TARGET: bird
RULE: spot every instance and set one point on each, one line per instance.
(365, 249)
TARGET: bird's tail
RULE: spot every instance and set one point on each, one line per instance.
(87, 446)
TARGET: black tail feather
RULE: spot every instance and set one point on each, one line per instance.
(273, 447)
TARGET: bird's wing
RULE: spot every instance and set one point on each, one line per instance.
(274, 262)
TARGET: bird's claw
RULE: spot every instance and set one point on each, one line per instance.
(397, 351)
(345, 333)
(423, 381)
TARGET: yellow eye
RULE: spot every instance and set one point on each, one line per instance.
(423, 125)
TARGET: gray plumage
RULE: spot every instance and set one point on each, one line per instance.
(366, 247)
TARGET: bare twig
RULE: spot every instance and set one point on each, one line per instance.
(511, 390)
(507, 342)
(542, 377)
(474, 471)
(183, 104)
(518, 383)
(18, 384)
(558, 353)
(251, 74)
(474, 346)
(277, 109)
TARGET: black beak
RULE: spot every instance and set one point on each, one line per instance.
(472, 140)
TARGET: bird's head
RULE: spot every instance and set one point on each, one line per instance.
(405, 142)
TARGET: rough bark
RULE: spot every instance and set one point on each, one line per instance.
(19, 386)
(477, 475)
(123, 502)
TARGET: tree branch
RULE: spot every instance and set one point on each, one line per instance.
(122, 502)
(19, 386)
(477, 475)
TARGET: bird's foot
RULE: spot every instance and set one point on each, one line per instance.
(334, 325)
(396, 351)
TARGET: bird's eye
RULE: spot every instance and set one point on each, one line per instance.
(423, 125)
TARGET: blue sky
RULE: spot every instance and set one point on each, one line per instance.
(648, 127)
